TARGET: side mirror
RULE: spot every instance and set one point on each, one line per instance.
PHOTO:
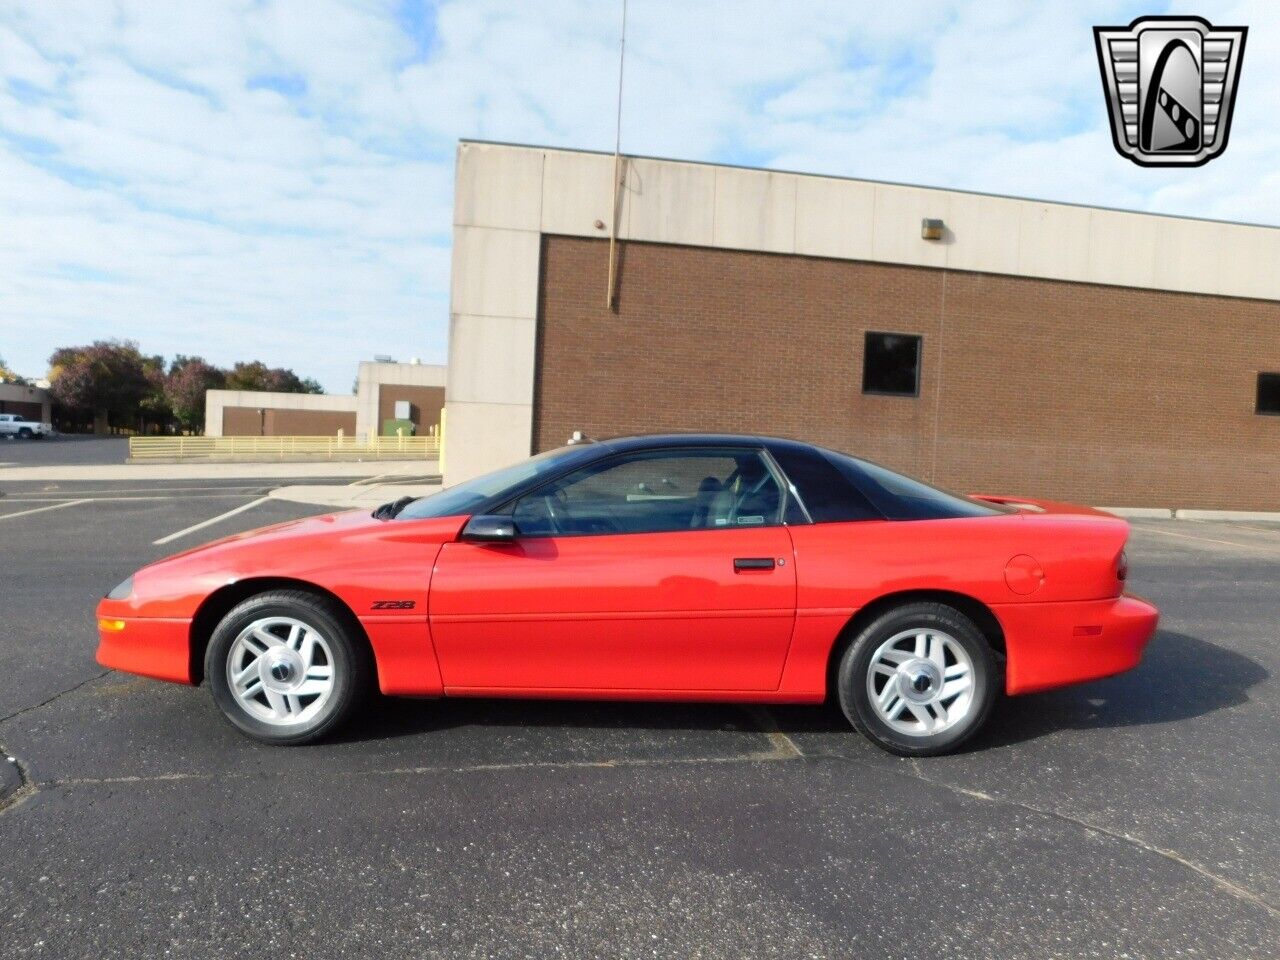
(490, 529)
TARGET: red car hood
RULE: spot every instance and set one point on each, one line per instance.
(323, 550)
(306, 528)
(327, 532)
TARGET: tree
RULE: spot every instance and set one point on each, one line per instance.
(154, 407)
(106, 379)
(189, 378)
(8, 376)
(256, 375)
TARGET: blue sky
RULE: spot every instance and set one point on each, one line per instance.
(273, 179)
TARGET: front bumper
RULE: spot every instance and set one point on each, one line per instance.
(151, 647)
(1055, 644)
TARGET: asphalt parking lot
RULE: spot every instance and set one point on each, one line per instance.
(64, 449)
(1133, 817)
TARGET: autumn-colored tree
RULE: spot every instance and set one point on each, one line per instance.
(106, 379)
(154, 407)
(256, 375)
(188, 380)
(8, 376)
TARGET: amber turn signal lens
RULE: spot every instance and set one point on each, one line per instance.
(110, 626)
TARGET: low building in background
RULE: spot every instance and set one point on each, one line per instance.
(260, 413)
(389, 396)
(26, 400)
(986, 343)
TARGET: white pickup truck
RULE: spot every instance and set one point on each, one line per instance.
(16, 425)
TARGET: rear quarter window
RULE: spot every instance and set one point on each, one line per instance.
(899, 497)
(827, 494)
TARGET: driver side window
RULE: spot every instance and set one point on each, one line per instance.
(655, 491)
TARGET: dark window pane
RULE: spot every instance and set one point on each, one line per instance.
(655, 491)
(828, 495)
(891, 364)
(1269, 393)
(900, 497)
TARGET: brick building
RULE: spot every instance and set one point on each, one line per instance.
(1032, 348)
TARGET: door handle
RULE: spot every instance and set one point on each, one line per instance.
(753, 563)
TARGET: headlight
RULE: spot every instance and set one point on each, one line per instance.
(121, 591)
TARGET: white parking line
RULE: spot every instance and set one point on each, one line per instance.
(1188, 536)
(210, 522)
(55, 506)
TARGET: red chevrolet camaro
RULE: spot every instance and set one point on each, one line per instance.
(687, 567)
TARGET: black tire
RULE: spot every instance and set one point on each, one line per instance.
(350, 663)
(25, 433)
(856, 663)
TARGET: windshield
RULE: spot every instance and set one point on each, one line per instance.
(463, 498)
(900, 497)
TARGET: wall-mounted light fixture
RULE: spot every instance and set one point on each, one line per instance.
(931, 229)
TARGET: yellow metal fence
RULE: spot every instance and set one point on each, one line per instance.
(284, 448)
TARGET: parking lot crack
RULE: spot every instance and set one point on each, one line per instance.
(27, 787)
(57, 696)
(1222, 883)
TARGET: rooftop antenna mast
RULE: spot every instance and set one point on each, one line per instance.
(610, 297)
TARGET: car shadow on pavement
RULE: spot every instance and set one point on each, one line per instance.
(391, 717)
(1180, 677)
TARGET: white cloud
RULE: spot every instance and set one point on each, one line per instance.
(273, 179)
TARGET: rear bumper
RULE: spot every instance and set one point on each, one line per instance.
(1055, 644)
(150, 647)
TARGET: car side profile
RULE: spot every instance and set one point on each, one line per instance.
(680, 567)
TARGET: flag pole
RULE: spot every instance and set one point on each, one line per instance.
(617, 166)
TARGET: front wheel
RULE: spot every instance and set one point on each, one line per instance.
(287, 667)
(918, 680)
(25, 433)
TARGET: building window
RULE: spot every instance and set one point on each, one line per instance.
(891, 364)
(1269, 393)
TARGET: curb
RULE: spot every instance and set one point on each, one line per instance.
(1160, 513)
(1139, 513)
(1237, 515)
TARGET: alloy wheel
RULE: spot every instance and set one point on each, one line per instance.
(281, 670)
(921, 682)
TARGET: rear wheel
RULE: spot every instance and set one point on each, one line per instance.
(25, 433)
(286, 667)
(918, 680)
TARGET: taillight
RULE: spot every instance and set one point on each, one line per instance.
(1122, 567)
